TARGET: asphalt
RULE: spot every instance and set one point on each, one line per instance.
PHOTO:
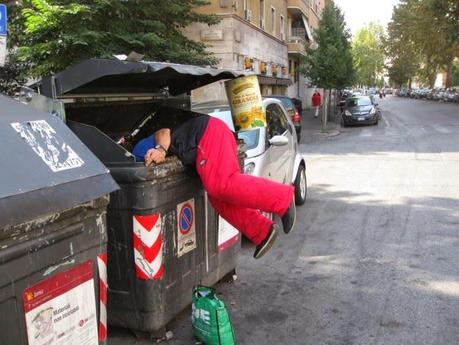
(374, 257)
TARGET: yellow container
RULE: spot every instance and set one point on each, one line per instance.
(246, 103)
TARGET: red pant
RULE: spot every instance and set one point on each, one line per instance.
(237, 197)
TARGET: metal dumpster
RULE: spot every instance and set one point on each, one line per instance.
(53, 199)
(164, 237)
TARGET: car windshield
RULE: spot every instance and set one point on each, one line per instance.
(360, 101)
(250, 138)
(287, 103)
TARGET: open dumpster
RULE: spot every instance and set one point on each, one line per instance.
(53, 237)
(163, 235)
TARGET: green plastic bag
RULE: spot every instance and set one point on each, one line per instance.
(210, 319)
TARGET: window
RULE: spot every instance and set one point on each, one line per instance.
(273, 21)
(281, 28)
(277, 123)
(262, 14)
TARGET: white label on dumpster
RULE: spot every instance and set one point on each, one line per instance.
(48, 145)
(186, 238)
(227, 234)
(61, 310)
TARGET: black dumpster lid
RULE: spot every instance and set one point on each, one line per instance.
(105, 76)
(44, 168)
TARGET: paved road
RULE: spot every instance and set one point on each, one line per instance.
(374, 258)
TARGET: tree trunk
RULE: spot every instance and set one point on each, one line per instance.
(324, 112)
(449, 74)
(329, 105)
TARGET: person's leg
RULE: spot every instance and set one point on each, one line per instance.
(317, 111)
(218, 167)
(251, 223)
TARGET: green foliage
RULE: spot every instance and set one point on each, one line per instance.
(423, 39)
(455, 78)
(10, 74)
(10, 79)
(368, 54)
(400, 49)
(329, 65)
(58, 33)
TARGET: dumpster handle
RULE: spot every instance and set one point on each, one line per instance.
(206, 228)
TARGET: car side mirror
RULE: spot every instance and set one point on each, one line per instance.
(278, 140)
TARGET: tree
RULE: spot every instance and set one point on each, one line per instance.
(368, 54)
(329, 66)
(10, 74)
(455, 74)
(58, 33)
(400, 49)
(430, 30)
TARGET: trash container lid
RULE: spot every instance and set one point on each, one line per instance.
(105, 76)
(44, 167)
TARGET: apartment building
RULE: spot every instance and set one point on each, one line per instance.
(303, 19)
(267, 37)
(252, 35)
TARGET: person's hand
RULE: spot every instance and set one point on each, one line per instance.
(154, 156)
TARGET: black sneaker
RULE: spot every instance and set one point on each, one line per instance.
(288, 220)
(267, 243)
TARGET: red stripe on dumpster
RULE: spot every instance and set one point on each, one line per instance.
(149, 253)
(102, 266)
(147, 244)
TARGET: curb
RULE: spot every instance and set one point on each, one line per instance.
(329, 133)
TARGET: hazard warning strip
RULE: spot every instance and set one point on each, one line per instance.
(102, 266)
(148, 246)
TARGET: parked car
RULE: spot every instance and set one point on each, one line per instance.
(292, 111)
(360, 110)
(438, 96)
(403, 93)
(272, 151)
(449, 95)
(298, 105)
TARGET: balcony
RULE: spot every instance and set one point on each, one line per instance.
(297, 41)
(298, 7)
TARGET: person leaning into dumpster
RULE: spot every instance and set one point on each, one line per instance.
(209, 145)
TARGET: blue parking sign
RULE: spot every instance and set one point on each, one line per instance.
(2, 19)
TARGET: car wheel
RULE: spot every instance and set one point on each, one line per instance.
(301, 186)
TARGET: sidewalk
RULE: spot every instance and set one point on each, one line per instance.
(312, 127)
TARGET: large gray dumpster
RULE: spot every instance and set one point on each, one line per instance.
(164, 237)
(53, 199)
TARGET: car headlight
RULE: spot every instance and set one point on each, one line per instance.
(347, 113)
(373, 111)
(249, 168)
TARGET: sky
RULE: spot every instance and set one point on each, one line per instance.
(357, 13)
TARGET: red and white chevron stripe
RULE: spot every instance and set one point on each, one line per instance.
(102, 266)
(148, 246)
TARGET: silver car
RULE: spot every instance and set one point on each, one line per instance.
(272, 151)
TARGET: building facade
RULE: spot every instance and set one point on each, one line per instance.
(267, 37)
(303, 19)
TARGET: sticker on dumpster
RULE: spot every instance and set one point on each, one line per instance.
(148, 246)
(227, 234)
(186, 239)
(48, 145)
(62, 309)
